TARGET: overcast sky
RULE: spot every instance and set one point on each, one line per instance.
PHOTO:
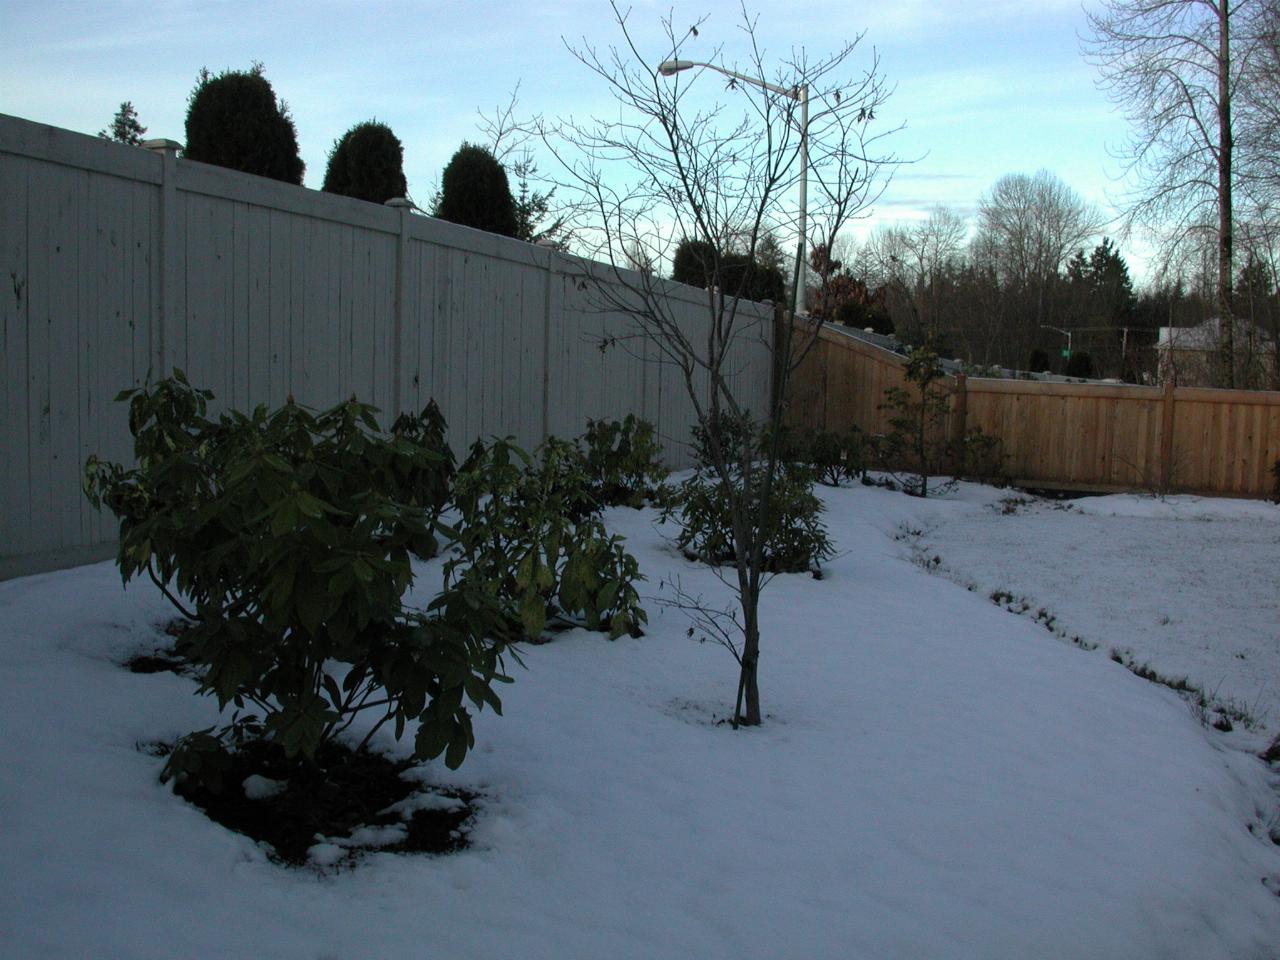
(984, 87)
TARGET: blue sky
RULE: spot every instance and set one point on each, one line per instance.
(985, 88)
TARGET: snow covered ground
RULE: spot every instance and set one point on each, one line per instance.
(1188, 585)
(936, 777)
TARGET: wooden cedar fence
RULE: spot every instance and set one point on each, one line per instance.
(1065, 436)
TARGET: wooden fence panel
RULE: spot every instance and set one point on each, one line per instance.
(1071, 436)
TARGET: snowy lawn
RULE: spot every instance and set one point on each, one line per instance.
(936, 778)
(1188, 585)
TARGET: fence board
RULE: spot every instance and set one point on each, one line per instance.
(16, 321)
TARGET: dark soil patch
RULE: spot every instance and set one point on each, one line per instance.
(333, 798)
(1272, 753)
(166, 659)
(159, 661)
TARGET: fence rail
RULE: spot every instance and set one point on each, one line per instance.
(118, 262)
(1067, 436)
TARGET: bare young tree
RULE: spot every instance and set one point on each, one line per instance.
(540, 218)
(1170, 65)
(675, 164)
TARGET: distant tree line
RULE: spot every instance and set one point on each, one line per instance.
(1006, 289)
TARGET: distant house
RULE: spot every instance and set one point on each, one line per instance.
(1187, 356)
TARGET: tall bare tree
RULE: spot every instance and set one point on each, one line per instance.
(911, 262)
(1170, 65)
(1028, 224)
(722, 170)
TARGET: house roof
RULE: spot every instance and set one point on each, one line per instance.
(1204, 336)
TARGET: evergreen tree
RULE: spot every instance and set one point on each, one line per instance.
(533, 208)
(1112, 286)
(751, 280)
(125, 127)
(367, 163)
(737, 274)
(234, 120)
(475, 192)
(1078, 268)
(695, 263)
(1253, 289)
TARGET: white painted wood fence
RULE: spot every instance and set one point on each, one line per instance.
(118, 262)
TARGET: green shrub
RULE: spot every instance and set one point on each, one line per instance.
(915, 447)
(474, 192)
(235, 121)
(1079, 364)
(529, 538)
(694, 263)
(1275, 486)
(834, 457)
(1038, 362)
(854, 313)
(622, 462)
(793, 536)
(423, 482)
(980, 456)
(285, 538)
(367, 163)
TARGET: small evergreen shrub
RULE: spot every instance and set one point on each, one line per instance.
(530, 539)
(980, 456)
(475, 192)
(1275, 486)
(1079, 364)
(694, 263)
(284, 537)
(367, 163)
(1038, 362)
(751, 280)
(835, 457)
(852, 313)
(234, 120)
(418, 482)
(915, 447)
(794, 537)
(622, 462)
(738, 275)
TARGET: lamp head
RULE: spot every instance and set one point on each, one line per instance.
(670, 68)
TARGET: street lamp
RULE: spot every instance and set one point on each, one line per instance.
(798, 93)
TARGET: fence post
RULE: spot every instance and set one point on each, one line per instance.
(404, 206)
(170, 278)
(959, 410)
(1166, 437)
(548, 292)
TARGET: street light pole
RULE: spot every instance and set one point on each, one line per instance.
(800, 94)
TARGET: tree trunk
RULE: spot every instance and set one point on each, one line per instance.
(1226, 322)
(748, 684)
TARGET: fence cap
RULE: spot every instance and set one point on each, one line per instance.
(161, 145)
